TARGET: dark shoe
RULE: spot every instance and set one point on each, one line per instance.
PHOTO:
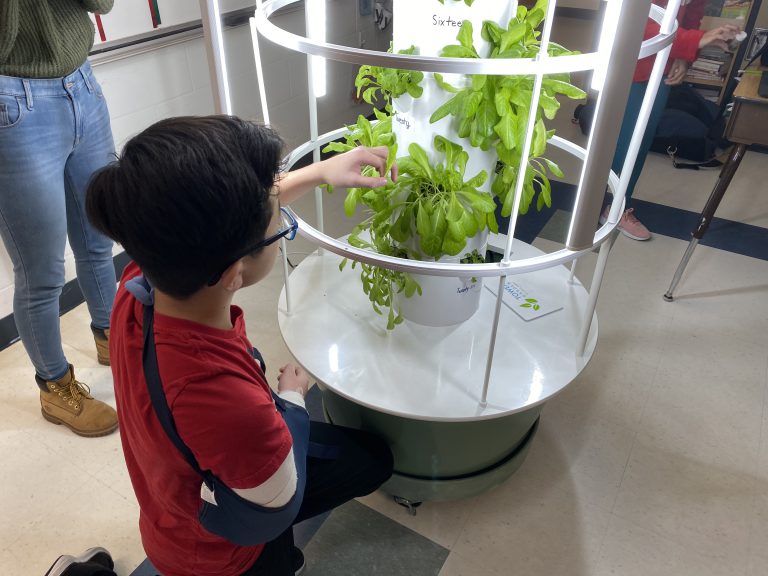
(298, 561)
(101, 337)
(69, 402)
(92, 562)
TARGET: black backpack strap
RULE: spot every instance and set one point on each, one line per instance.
(156, 394)
(711, 163)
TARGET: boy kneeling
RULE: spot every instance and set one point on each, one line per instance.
(196, 203)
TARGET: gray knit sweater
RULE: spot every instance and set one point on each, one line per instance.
(46, 38)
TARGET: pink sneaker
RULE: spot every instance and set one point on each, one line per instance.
(631, 227)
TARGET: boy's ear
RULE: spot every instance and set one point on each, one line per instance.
(232, 278)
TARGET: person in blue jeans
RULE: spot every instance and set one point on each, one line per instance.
(54, 134)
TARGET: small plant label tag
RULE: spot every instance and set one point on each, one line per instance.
(522, 301)
(405, 121)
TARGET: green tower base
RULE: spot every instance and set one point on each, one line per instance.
(442, 460)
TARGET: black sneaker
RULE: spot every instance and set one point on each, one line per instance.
(298, 561)
(93, 562)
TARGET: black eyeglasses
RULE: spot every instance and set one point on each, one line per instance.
(288, 227)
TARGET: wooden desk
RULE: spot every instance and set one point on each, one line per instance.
(748, 124)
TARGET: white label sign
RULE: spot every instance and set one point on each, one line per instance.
(524, 302)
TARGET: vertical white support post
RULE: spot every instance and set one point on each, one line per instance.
(626, 171)
(657, 75)
(217, 63)
(532, 117)
(259, 68)
(572, 277)
(314, 21)
(265, 117)
(625, 19)
(594, 291)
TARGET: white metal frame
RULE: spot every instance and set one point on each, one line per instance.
(537, 67)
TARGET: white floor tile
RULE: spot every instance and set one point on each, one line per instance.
(696, 504)
(615, 386)
(580, 453)
(535, 528)
(73, 514)
(629, 550)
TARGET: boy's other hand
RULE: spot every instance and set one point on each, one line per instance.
(293, 378)
(719, 36)
(677, 73)
(344, 170)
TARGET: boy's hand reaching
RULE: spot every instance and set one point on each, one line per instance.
(293, 378)
(344, 170)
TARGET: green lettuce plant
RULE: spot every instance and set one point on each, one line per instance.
(373, 82)
(369, 134)
(429, 212)
(492, 111)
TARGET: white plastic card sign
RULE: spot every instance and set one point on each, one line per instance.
(525, 299)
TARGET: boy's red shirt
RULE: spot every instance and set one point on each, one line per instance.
(224, 412)
(686, 44)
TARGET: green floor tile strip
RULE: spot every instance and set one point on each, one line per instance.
(556, 228)
(356, 540)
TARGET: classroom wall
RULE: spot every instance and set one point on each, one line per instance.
(175, 81)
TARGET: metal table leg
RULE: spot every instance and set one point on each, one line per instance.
(726, 175)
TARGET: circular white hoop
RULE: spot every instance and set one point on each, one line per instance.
(497, 66)
(443, 268)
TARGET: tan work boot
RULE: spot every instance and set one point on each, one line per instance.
(69, 402)
(101, 337)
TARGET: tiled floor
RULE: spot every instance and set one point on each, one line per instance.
(655, 461)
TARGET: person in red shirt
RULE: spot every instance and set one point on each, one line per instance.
(688, 42)
(196, 203)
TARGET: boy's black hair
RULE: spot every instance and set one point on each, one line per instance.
(185, 195)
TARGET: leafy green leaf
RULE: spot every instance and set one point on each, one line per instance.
(455, 51)
(535, 17)
(491, 32)
(560, 87)
(478, 81)
(549, 104)
(414, 91)
(350, 202)
(449, 107)
(513, 35)
(337, 147)
(554, 168)
(506, 128)
(465, 36)
(420, 158)
(539, 144)
(443, 84)
(455, 209)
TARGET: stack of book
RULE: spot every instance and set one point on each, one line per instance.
(712, 64)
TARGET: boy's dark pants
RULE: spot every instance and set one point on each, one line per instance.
(362, 463)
